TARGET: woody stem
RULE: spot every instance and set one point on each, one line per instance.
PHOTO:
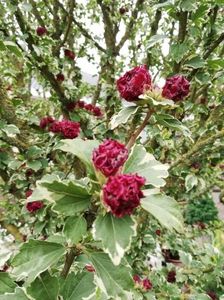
(135, 135)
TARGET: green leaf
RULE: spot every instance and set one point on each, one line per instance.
(70, 198)
(123, 116)
(2, 45)
(34, 151)
(13, 48)
(34, 165)
(177, 51)
(155, 39)
(78, 286)
(164, 209)
(171, 122)
(146, 165)
(201, 297)
(80, 148)
(5, 254)
(14, 164)
(57, 238)
(166, 3)
(44, 287)
(75, 228)
(188, 5)
(114, 281)
(7, 285)
(10, 129)
(19, 294)
(186, 258)
(157, 102)
(216, 63)
(34, 258)
(203, 77)
(190, 181)
(116, 235)
(195, 62)
(41, 192)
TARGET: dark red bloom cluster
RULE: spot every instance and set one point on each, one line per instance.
(123, 10)
(41, 30)
(201, 225)
(4, 268)
(60, 77)
(196, 165)
(145, 283)
(55, 127)
(95, 110)
(133, 83)
(176, 88)
(158, 232)
(69, 53)
(90, 268)
(35, 205)
(28, 193)
(29, 172)
(67, 128)
(109, 157)
(46, 121)
(171, 276)
(212, 295)
(122, 193)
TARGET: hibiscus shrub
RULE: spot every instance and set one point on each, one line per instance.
(100, 182)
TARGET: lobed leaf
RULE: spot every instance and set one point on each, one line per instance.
(116, 235)
(34, 258)
(164, 209)
(145, 164)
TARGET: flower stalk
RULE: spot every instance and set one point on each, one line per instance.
(135, 135)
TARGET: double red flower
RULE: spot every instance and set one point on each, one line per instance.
(122, 192)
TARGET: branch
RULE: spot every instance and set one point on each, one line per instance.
(213, 46)
(129, 28)
(46, 2)
(8, 114)
(69, 21)
(36, 13)
(4, 175)
(84, 32)
(69, 258)
(199, 145)
(39, 61)
(109, 31)
(57, 22)
(134, 136)
(154, 28)
(183, 16)
(97, 90)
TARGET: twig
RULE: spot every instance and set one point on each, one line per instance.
(36, 13)
(69, 24)
(200, 144)
(129, 28)
(213, 46)
(134, 136)
(154, 28)
(84, 32)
